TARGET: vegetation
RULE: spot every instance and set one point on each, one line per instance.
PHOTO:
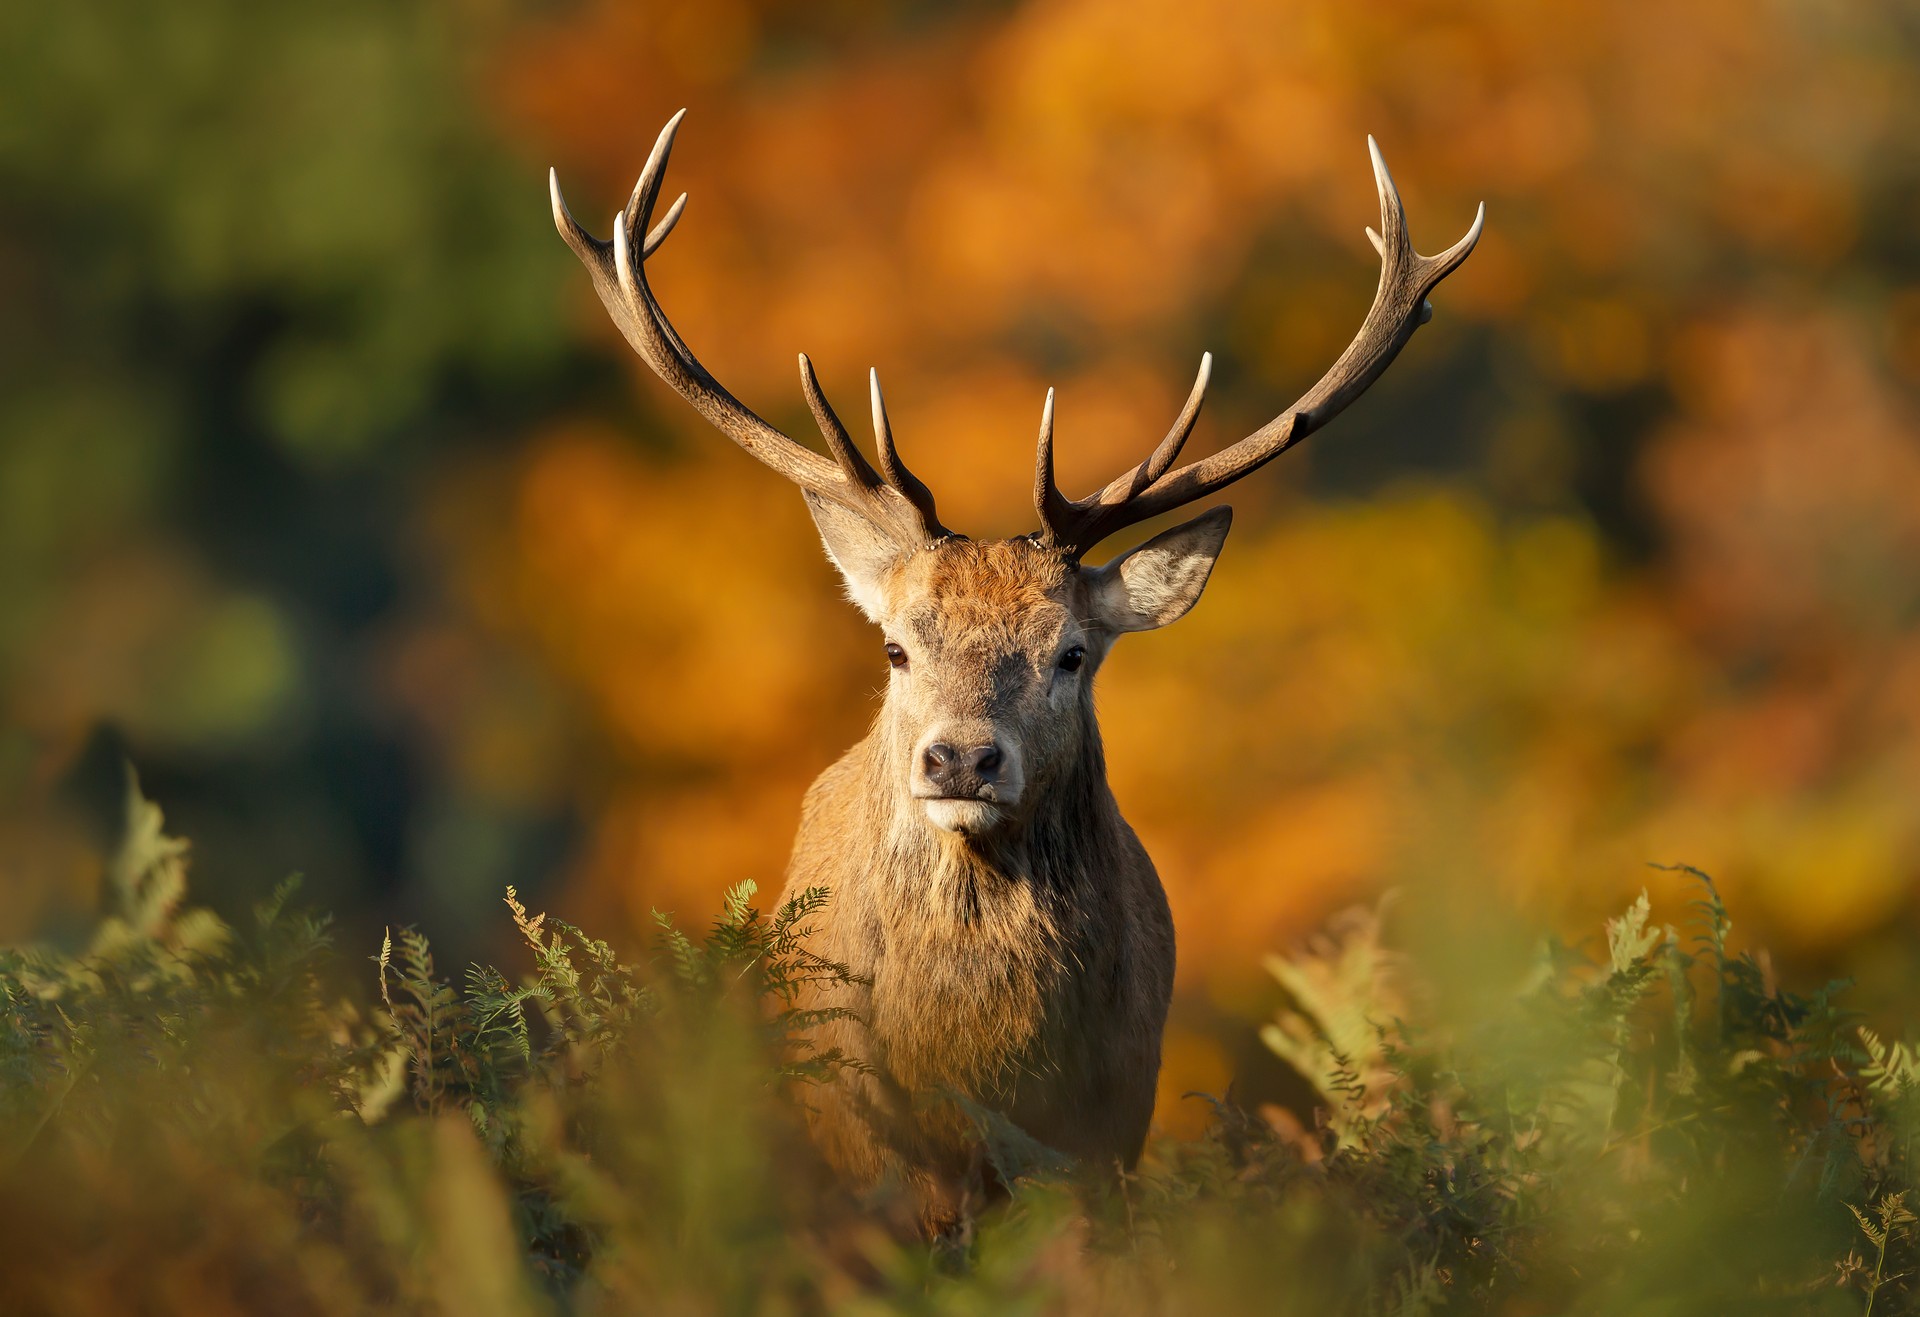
(195, 1122)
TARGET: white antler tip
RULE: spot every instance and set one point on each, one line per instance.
(622, 257)
(1391, 215)
(657, 158)
(1449, 259)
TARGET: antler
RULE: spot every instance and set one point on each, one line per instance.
(895, 502)
(1400, 306)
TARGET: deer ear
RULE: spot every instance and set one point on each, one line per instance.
(1159, 581)
(862, 551)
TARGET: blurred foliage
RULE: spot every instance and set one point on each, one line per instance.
(327, 492)
(253, 263)
(195, 1122)
(435, 1149)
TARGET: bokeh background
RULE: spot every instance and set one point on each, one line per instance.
(331, 500)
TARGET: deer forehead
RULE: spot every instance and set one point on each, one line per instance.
(989, 597)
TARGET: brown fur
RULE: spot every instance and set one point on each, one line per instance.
(1027, 968)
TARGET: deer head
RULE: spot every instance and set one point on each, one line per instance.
(993, 644)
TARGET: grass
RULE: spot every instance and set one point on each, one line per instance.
(191, 1120)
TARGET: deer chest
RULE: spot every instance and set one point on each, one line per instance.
(981, 1004)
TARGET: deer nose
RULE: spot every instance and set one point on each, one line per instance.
(960, 772)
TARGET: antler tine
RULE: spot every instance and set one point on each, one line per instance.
(1439, 267)
(853, 464)
(1056, 513)
(587, 247)
(664, 227)
(902, 508)
(1393, 215)
(1399, 307)
(1176, 439)
(1059, 521)
(646, 189)
(904, 482)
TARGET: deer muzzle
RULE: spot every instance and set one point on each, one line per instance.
(966, 784)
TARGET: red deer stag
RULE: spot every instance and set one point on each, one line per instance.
(1011, 935)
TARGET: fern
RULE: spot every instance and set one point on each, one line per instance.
(1660, 1124)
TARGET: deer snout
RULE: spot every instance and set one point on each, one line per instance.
(960, 773)
(966, 784)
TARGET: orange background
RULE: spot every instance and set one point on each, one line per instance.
(1620, 562)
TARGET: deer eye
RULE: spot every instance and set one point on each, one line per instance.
(896, 655)
(1072, 659)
